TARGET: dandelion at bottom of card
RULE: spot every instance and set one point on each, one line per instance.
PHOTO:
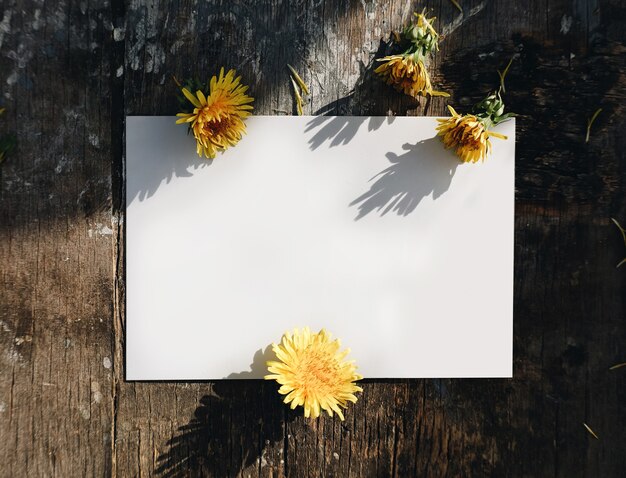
(313, 372)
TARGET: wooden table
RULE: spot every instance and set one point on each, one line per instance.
(71, 71)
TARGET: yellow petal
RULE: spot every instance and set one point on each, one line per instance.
(496, 135)
(201, 97)
(314, 373)
(194, 101)
(452, 111)
(439, 93)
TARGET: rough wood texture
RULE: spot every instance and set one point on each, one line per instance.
(56, 242)
(71, 71)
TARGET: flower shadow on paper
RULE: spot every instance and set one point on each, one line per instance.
(274, 37)
(230, 428)
(341, 130)
(424, 169)
(338, 122)
(172, 156)
(258, 367)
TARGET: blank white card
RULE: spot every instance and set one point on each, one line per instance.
(365, 226)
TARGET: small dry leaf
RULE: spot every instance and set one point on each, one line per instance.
(300, 81)
(623, 231)
(590, 122)
(502, 75)
(298, 97)
(591, 431)
(457, 5)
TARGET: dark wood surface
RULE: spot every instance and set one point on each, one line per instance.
(69, 73)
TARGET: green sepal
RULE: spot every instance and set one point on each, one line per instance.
(192, 85)
(491, 110)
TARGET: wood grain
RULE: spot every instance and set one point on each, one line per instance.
(56, 242)
(71, 71)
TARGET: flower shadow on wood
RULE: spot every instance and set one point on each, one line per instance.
(231, 427)
(423, 170)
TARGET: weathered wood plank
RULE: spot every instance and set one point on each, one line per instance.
(568, 308)
(70, 72)
(56, 243)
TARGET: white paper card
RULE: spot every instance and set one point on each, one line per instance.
(363, 225)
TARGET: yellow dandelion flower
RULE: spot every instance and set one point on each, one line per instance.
(407, 75)
(312, 372)
(407, 71)
(467, 135)
(217, 120)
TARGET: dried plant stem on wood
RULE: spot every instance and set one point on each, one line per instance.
(623, 231)
(591, 431)
(590, 122)
(299, 88)
(457, 5)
